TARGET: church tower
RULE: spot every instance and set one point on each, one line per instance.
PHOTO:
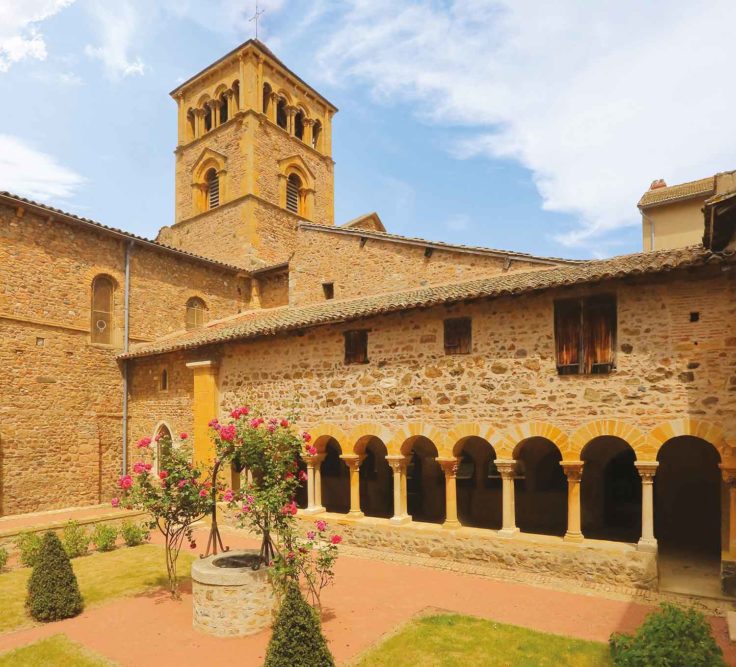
(253, 159)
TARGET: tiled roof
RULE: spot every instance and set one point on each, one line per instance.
(22, 201)
(665, 195)
(259, 323)
(442, 245)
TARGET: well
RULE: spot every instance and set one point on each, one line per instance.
(229, 597)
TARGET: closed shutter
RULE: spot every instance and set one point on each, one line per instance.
(292, 194)
(213, 190)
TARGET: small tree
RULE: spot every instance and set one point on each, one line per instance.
(297, 639)
(53, 591)
(175, 498)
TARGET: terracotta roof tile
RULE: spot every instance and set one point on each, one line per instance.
(666, 195)
(259, 323)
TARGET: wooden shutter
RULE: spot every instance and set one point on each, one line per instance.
(458, 338)
(568, 329)
(292, 194)
(213, 189)
(356, 347)
(599, 320)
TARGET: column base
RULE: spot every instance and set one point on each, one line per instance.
(356, 514)
(400, 520)
(648, 545)
(452, 525)
(573, 537)
(313, 510)
(508, 532)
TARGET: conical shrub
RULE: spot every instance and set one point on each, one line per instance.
(53, 591)
(297, 639)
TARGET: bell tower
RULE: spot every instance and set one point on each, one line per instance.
(253, 159)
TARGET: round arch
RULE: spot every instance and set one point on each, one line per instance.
(376, 478)
(696, 428)
(335, 477)
(616, 428)
(506, 442)
(321, 433)
(425, 480)
(478, 483)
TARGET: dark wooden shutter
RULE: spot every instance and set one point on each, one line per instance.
(599, 320)
(458, 337)
(568, 330)
(213, 189)
(356, 347)
(292, 194)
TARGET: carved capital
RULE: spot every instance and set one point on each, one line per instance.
(506, 468)
(449, 466)
(573, 470)
(729, 475)
(397, 463)
(314, 461)
(647, 470)
(352, 461)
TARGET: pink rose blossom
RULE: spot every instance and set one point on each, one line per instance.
(115, 502)
(321, 525)
(182, 483)
(289, 475)
(163, 474)
(302, 476)
(213, 423)
(271, 428)
(306, 437)
(254, 423)
(203, 493)
(183, 436)
(284, 423)
(158, 437)
(147, 466)
(336, 539)
(311, 535)
(228, 496)
(144, 442)
(125, 482)
(227, 433)
(311, 450)
(139, 467)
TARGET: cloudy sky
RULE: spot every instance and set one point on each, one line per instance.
(510, 124)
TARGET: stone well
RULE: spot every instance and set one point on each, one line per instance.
(229, 597)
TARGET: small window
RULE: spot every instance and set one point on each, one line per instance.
(207, 118)
(458, 335)
(164, 380)
(266, 98)
(196, 310)
(213, 189)
(317, 136)
(293, 186)
(102, 304)
(329, 290)
(356, 347)
(223, 109)
(281, 113)
(299, 125)
(585, 335)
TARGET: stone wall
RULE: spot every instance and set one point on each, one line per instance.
(362, 266)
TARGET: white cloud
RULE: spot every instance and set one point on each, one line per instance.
(37, 175)
(19, 34)
(596, 99)
(119, 26)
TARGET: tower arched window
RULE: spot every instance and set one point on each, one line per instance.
(281, 113)
(223, 109)
(191, 124)
(196, 313)
(299, 125)
(317, 136)
(164, 385)
(267, 90)
(213, 188)
(102, 307)
(293, 186)
(207, 118)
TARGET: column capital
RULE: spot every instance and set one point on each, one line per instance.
(728, 473)
(397, 462)
(647, 470)
(448, 465)
(507, 468)
(352, 460)
(573, 470)
(313, 461)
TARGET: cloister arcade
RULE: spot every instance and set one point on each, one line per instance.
(606, 481)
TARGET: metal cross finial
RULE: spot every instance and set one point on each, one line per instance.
(255, 18)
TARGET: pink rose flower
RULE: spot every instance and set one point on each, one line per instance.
(144, 442)
(336, 539)
(163, 474)
(273, 421)
(306, 437)
(254, 423)
(302, 476)
(115, 502)
(312, 451)
(213, 423)
(182, 483)
(228, 496)
(125, 482)
(203, 493)
(227, 433)
(183, 436)
(148, 466)
(284, 423)
(271, 428)
(139, 467)
(289, 475)
(158, 437)
(311, 535)
(321, 525)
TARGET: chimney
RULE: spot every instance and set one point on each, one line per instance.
(659, 183)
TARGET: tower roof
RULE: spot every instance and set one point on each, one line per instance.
(257, 45)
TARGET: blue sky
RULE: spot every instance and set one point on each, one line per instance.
(483, 122)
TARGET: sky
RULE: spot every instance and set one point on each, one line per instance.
(509, 124)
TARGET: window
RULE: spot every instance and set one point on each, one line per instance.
(293, 186)
(329, 290)
(207, 118)
(585, 335)
(281, 113)
(196, 310)
(266, 98)
(317, 136)
(223, 108)
(458, 335)
(356, 347)
(213, 189)
(299, 125)
(102, 303)
(164, 380)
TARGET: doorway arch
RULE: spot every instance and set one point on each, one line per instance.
(425, 481)
(335, 479)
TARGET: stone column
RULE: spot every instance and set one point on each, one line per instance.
(308, 124)
(314, 491)
(232, 107)
(647, 470)
(398, 465)
(215, 111)
(353, 462)
(290, 114)
(573, 472)
(449, 467)
(198, 123)
(272, 107)
(729, 477)
(507, 469)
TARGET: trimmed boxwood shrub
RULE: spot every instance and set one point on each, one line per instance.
(668, 637)
(297, 639)
(134, 534)
(29, 545)
(53, 591)
(104, 536)
(3, 558)
(75, 539)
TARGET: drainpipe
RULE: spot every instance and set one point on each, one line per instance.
(651, 230)
(126, 337)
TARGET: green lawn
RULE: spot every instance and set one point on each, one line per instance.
(458, 641)
(57, 651)
(102, 576)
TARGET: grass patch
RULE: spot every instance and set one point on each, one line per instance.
(57, 650)
(450, 640)
(101, 576)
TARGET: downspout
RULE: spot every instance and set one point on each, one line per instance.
(646, 218)
(126, 337)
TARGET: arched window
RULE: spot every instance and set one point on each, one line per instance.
(293, 185)
(164, 380)
(223, 108)
(102, 304)
(299, 125)
(191, 124)
(213, 188)
(281, 113)
(236, 95)
(266, 97)
(317, 136)
(207, 118)
(196, 311)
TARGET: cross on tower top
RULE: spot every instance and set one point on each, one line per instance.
(255, 17)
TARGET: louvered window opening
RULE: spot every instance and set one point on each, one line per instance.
(195, 313)
(356, 347)
(213, 190)
(585, 335)
(458, 335)
(102, 302)
(292, 194)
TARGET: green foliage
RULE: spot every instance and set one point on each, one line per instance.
(75, 539)
(134, 534)
(668, 637)
(104, 536)
(29, 545)
(297, 639)
(3, 558)
(53, 591)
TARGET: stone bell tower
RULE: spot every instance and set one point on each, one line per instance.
(253, 159)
